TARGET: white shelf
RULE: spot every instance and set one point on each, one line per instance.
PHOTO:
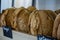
(17, 36)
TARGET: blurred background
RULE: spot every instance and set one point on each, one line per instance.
(39, 4)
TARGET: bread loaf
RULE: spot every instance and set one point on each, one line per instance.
(46, 24)
(40, 23)
(34, 21)
(56, 27)
(9, 17)
(58, 32)
(4, 13)
(14, 18)
(31, 8)
(0, 19)
(22, 21)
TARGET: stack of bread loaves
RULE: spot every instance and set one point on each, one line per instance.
(30, 20)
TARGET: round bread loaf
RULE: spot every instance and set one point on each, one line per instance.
(40, 23)
(56, 27)
(9, 17)
(34, 22)
(46, 24)
(4, 13)
(16, 12)
(22, 21)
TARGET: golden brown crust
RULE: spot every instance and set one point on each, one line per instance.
(8, 17)
(3, 22)
(56, 27)
(31, 8)
(41, 22)
(34, 21)
(46, 23)
(51, 13)
(22, 20)
(58, 32)
(11, 17)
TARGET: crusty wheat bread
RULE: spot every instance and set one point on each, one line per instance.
(8, 17)
(16, 12)
(34, 21)
(46, 24)
(4, 13)
(22, 21)
(11, 18)
(56, 27)
(40, 23)
(31, 8)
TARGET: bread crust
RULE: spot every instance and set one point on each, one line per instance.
(4, 13)
(22, 21)
(56, 27)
